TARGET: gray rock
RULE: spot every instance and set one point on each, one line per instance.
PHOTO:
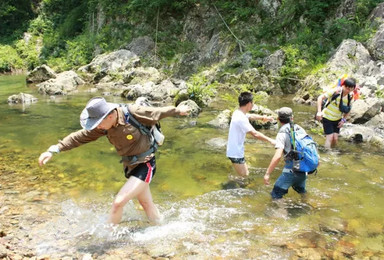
(274, 62)
(64, 83)
(222, 120)
(363, 110)
(113, 62)
(195, 109)
(217, 143)
(376, 44)
(377, 15)
(40, 74)
(142, 46)
(22, 98)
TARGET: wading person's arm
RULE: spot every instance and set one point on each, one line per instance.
(254, 117)
(71, 141)
(260, 136)
(272, 165)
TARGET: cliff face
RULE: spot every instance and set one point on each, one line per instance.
(284, 38)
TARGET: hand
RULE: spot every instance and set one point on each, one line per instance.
(273, 142)
(266, 179)
(184, 110)
(44, 158)
(268, 118)
(340, 124)
(319, 116)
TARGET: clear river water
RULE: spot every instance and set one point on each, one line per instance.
(204, 218)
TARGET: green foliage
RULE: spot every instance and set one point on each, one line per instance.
(199, 89)
(79, 51)
(73, 23)
(40, 25)
(71, 31)
(317, 131)
(9, 59)
(380, 93)
(294, 66)
(14, 16)
(340, 29)
(29, 52)
(74, 54)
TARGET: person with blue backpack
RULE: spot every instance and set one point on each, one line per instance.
(299, 152)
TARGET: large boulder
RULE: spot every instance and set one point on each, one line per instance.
(359, 133)
(113, 62)
(377, 121)
(363, 110)
(210, 45)
(259, 81)
(141, 75)
(377, 15)
(157, 92)
(142, 46)
(274, 62)
(349, 56)
(132, 92)
(376, 44)
(64, 83)
(40, 74)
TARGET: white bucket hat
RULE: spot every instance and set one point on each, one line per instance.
(94, 112)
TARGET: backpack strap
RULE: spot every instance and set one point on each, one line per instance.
(129, 118)
(333, 98)
(292, 135)
(341, 99)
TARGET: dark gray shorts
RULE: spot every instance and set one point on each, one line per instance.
(237, 160)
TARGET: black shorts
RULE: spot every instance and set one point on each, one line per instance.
(143, 171)
(330, 127)
(237, 160)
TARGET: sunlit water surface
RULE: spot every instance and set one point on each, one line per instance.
(342, 216)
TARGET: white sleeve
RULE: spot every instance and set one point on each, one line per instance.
(246, 126)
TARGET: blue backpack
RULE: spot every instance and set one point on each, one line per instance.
(303, 154)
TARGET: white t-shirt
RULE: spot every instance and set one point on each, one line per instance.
(237, 131)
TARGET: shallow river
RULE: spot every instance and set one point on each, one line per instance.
(204, 217)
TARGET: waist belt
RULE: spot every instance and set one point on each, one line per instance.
(133, 159)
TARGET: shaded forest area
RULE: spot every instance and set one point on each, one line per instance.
(66, 34)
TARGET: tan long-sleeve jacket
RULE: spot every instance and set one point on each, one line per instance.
(127, 139)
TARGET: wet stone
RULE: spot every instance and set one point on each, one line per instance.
(12, 192)
(333, 226)
(309, 253)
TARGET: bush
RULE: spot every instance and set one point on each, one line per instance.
(9, 59)
(29, 52)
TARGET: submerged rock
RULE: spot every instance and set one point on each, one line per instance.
(22, 98)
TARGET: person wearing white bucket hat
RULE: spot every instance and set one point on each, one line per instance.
(122, 125)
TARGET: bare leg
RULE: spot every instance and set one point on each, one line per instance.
(131, 189)
(145, 199)
(328, 141)
(241, 169)
(334, 139)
